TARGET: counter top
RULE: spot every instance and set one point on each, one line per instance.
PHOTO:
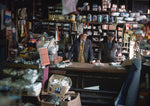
(86, 67)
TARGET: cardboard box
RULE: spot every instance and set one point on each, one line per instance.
(45, 100)
(112, 27)
(56, 87)
(76, 101)
(43, 103)
(119, 33)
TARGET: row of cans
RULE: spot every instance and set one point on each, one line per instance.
(96, 18)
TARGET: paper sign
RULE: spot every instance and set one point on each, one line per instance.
(44, 56)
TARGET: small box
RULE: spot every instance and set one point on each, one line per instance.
(112, 27)
(105, 27)
(59, 59)
(120, 33)
(59, 85)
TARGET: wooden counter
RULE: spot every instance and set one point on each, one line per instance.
(102, 68)
(80, 72)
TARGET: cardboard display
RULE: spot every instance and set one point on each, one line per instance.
(74, 102)
(58, 89)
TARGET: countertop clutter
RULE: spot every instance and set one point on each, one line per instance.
(35, 41)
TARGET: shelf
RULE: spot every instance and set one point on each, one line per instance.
(96, 23)
(125, 53)
(111, 30)
(96, 35)
(95, 29)
(87, 29)
(21, 65)
(93, 12)
(96, 41)
(125, 47)
(55, 21)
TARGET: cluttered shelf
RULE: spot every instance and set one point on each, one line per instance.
(56, 21)
(21, 65)
(98, 67)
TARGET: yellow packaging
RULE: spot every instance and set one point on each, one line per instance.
(72, 17)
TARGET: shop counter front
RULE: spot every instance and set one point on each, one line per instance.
(81, 73)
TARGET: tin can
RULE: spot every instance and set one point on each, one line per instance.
(89, 17)
(94, 7)
(99, 18)
(79, 18)
(105, 18)
(112, 19)
(74, 27)
(72, 17)
(94, 18)
(84, 18)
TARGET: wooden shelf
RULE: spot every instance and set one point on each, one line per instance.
(21, 65)
(96, 23)
(96, 35)
(93, 12)
(55, 21)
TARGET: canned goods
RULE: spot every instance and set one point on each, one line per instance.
(89, 17)
(94, 7)
(94, 18)
(74, 28)
(105, 18)
(72, 17)
(112, 19)
(99, 18)
(79, 18)
(83, 18)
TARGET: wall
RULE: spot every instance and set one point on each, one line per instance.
(143, 5)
